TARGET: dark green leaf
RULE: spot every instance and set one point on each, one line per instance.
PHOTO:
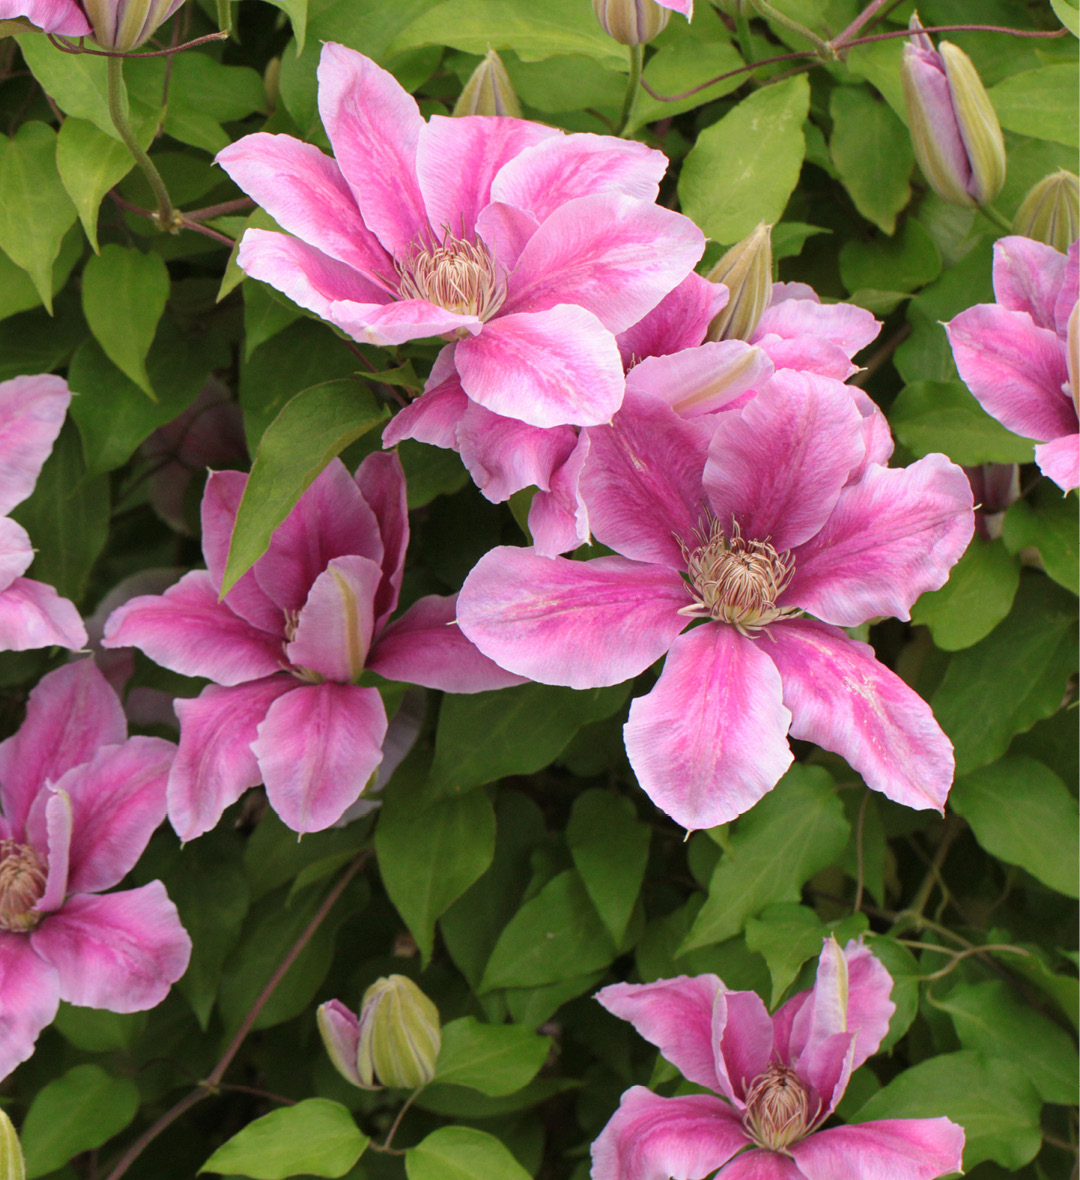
(977, 596)
(943, 416)
(871, 149)
(1047, 522)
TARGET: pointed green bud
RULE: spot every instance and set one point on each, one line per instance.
(488, 91)
(400, 1035)
(12, 1165)
(631, 22)
(1050, 213)
(120, 25)
(979, 124)
(746, 271)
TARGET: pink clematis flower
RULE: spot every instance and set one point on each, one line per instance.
(528, 248)
(742, 521)
(286, 645)
(781, 1076)
(32, 411)
(1018, 356)
(80, 800)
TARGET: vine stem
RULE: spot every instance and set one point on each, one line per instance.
(991, 214)
(637, 57)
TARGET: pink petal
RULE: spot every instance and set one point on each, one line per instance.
(679, 321)
(32, 410)
(505, 230)
(29, 996)
(397, 323)
(701, 380)
(333, 632)
(651, 1138)
(33, 615)
(741, 1035)
(504, 455)
(807, 354)
(642, 482)
(901, 1149)
(686, 7)
(877, 435)
(892, 536)
(711, 738)
(16, 552)
(777, 466)
(1068, 293)
(1028, 276)
(557, 367)
(828, 1069)
(558, 518)
(49, 829)
(580, 623)
(52, 16)
(1060, 461)
(71, 712)
(848, 327)
(1015, 369)
(844, 700)
(676, 1016)
(760, 1165)
(317, 748)
(340, 1030)
(545, 177)
(121, 951)
(188, 630)
(214, 765)
(374, 127)
(612, 255)
(304, 192)
(433, 418)
(381, 481)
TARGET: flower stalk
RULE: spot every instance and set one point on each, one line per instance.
(633, 81)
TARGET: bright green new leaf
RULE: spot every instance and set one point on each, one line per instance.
(316, 1137)
(1067, 13)
(1047, 522)
(312, 428)
(743, 169)
(942, 416)
(1040, 103)
(1023, 813)
(90, 163)
(871, 149)
(124, 293)
(495, 1059)
(461, 1153)
(77, 1112)
(977, 596)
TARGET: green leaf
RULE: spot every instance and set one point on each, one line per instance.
(555, 935)
(610, 847)
(1014, 677)
(34, 342)
(90, 163)
(1046, 521)
(461, 1153)
(484, 736)
(1023, 813)
(743, 169)
(990, 1098)
(785, 935)
(124, 293)
(495, 1059)
(871, 149)
(312, 428)
(1040, 103)
(35, 211)
(226, 93)
(905, 262)
(990, 1018)
(943, 416)
(97, 1030)
(1067, 14)
(977, 596)
(793, 833)
(79, 1111)
(264, 315)
(297, 12)
(907, 975)
(17, 290)
(317, 1137)
(429, 472)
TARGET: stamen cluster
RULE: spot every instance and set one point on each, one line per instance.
(22, 885)
(457, 275)
(778, 1109)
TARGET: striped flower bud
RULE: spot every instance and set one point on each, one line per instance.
(12, 1165)
(746, 271)
(954, 130)
(120, 25)
(1050, 213)
(399, 1035)
(631, 22)
(488, 91)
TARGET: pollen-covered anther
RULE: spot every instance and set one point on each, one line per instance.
(737, 581)
(457, 275)
(22, 885)
(778, 1109)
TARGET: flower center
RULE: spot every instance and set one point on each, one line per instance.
(778, 1109)
(22, 884)
(733, 580)
(457, 275)
(304, 675)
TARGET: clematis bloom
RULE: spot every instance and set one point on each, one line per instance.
(80, 800)
(780, 1078)
(1018, 356)
(740, 522)
(286, 645)
(117, 25)
(527, 248)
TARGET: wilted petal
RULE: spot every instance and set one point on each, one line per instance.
(679, 321)
(29, 999)
(701, 380)
(32, 411)
(121, 951)
(333, 632)
(1060, 461)
(381, 480)
(711, 737)
(33, 615)
(844, 700)
(901, 1149)
(742, 1042)
(504, 455)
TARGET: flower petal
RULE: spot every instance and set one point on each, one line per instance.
(711, 737)
(761, 1165)
(901, 1149)
(317, 748)
(844, 700)
(505, 230)
(122, 951)
(844, 325)
(340, 1031)
(16, 552)
(504, 455)
(1060, 461)
(679, 321)
(32, 410)
(742, 1042)
(558, 518)
(33, 615)
(433, 418)
(53, 16)
(701, 380)
(29, 999)
(49, 829)
(381, 480)
(333, 632)
(1027, 278)
(396, 323)
(580, 623)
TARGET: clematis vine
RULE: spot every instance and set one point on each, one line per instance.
(80, 800)
(526, 248)
(780, 1077)
(739, 523)
(1018, 356)
(32, 614)
(288, 643)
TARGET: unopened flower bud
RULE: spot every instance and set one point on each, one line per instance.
(120, 25)
(1050, 213)
(631, 22)
(746, 271)
(12, 1165)
(399, 1036)
(488, 91)
(954, 130)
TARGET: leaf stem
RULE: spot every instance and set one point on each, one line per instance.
(999, 219)
(822, 48)
(633, 81)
